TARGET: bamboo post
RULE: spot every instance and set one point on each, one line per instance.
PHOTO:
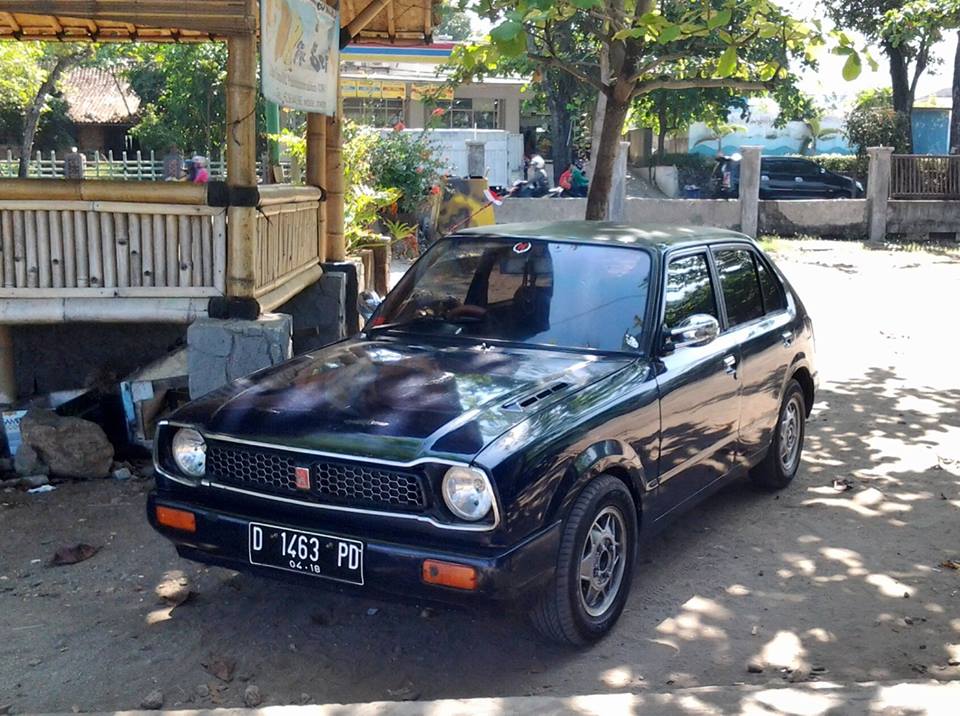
(185, 251)
(136, 252)
(80, 246)
(336, 245)
(220, 251)
(146, 248)
(69, 250)
(122, 242)
(317, 172)
(8, 381)
(94, 250)
(19, 250)
(196, 250)
(206, 254)
(44, 277)
(241, 162)
(6, 223)
(159, 257)
(56, 250)
(30, 227)
(108, 250)
(171, 247)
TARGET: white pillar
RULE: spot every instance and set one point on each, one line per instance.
(749, 190)
(878, 191)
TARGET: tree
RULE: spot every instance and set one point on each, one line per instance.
(906, 32)
(955, 114)
(454, 24)
(644, 42)
(29, 75)
(182, 93)
(873, 122)
(671, 111)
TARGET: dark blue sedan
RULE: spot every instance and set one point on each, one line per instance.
(526, 402)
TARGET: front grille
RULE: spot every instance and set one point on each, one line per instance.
(336, 482)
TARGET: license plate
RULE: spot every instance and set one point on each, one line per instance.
(311, 553)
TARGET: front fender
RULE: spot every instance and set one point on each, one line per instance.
(607, 456)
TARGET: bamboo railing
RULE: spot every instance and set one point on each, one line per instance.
(920, 176)
(287, 252)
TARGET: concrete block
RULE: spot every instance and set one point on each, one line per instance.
(749, 189)
(319, 313)
(219, 351)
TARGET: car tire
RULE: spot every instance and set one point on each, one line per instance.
(782, 460)
(572, 610)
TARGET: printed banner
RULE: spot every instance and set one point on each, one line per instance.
(372, 88)
(300, 54)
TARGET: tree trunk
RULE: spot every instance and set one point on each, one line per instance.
(955, 116)
(562, 144)
(598, 198)
(900, 82)
(601, 109)
(31, 119)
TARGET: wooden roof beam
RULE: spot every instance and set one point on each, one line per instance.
(362, 19)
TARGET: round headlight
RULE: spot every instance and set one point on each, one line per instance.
(189, 452)
(467, 493)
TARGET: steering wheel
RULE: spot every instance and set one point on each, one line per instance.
(467, 312)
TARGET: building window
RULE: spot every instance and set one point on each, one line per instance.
(373, 111)
(469, 113)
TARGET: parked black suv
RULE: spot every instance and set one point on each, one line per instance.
(784, 178)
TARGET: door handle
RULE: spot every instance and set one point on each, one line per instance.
(730, 364)
(787, 338)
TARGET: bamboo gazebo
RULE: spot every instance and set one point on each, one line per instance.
(112, 251)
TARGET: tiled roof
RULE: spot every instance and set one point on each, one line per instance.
(99, 96)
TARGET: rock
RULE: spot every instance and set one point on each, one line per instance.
(6, 465)
(71, 447)
(202, 690)
(27, 462)
(32, 481)
(222, 668)
(252, 697)
(73, 554)
(122, 473)
(801, 672)
(174, 590)
(372, 612)
(304, 698)
(407, 692)
(5, 709)
(755, 666)
(153, 701)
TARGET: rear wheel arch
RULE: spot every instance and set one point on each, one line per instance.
(801, 374)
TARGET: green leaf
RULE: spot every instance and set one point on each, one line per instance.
(669, 34)
(768, 30)
(506, 31)
(586, 4)
(720, 19)
(768, 71)
(852, 67)
(728, 62)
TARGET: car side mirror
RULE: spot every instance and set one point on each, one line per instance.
(696, 330)
(367, 303)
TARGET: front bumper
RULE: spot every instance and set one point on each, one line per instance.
(392, 567)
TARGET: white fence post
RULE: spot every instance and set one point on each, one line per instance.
(749, 190)
(878, 191)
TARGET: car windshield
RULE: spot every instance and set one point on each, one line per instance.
(535, 292)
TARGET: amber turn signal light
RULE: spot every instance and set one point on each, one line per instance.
(177, 519)
(447, 574)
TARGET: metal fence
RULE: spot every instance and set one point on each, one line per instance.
(922, 176)
(132, 166)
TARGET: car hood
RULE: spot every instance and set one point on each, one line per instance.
(399, 401)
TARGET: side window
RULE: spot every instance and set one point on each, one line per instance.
(689, 289)
(773, 298)
(739, 284)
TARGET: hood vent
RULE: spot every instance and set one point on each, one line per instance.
(521, 405)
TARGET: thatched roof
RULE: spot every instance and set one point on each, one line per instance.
(98, 96)
(400, 21)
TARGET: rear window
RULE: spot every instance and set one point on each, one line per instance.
(773, 298)
(739, 284)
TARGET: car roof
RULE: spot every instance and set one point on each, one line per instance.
(657, 237)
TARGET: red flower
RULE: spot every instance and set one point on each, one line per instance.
(399, 127)
(435, 190)
(439, 112)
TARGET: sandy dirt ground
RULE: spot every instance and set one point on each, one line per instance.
(811, 583)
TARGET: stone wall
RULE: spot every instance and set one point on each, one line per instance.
(923, 217)
(840, 218)
(722, 213)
